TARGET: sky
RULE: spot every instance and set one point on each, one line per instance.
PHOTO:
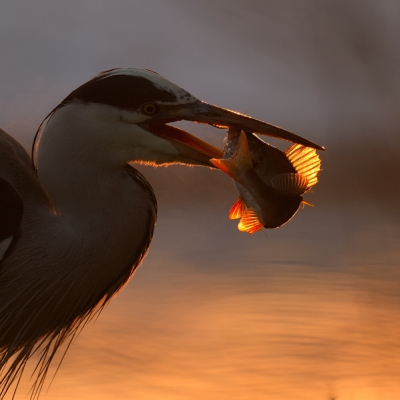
(213, 313)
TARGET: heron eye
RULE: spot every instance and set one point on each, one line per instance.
(150, 109)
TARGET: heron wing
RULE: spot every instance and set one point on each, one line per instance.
(11, 210)
(18, 149)
(13, 159)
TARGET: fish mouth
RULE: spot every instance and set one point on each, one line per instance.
(193, 150)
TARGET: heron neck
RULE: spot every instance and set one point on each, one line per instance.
(84, 172)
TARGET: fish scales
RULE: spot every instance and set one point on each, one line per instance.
(270, 182)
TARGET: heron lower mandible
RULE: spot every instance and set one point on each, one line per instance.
(77, 219)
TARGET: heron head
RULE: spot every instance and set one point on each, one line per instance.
(129, 112)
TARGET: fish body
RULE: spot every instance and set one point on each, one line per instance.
(270, 182)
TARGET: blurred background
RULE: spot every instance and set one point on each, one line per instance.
(309, 311)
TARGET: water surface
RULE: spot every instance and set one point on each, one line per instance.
(309, 311)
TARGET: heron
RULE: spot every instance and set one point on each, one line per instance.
(76, 218)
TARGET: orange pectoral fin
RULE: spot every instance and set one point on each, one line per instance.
(238, 209)
(250, 222)
(289, 184)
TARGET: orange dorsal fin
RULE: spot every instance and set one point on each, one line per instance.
(242, 154)
(238, 209)
(224, 165)
(306, 162)
(250, 222)
(240, 161)
(290, 184)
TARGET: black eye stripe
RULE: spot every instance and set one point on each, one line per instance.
(127, 92)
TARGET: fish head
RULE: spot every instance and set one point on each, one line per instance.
(278, 209)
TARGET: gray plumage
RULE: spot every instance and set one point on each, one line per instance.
(82, 217)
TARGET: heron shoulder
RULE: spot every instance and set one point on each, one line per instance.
(140, 180)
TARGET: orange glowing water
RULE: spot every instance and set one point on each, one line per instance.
(299, 314)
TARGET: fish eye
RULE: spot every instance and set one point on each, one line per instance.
(150, 108)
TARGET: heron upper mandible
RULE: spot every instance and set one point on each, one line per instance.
(77, 219)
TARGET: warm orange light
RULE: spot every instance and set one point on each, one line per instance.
(306, 162)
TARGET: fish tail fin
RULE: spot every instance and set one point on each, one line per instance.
(250, 222)
(238, 209)
(306, 162)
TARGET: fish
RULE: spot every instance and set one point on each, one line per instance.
(271, 183)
